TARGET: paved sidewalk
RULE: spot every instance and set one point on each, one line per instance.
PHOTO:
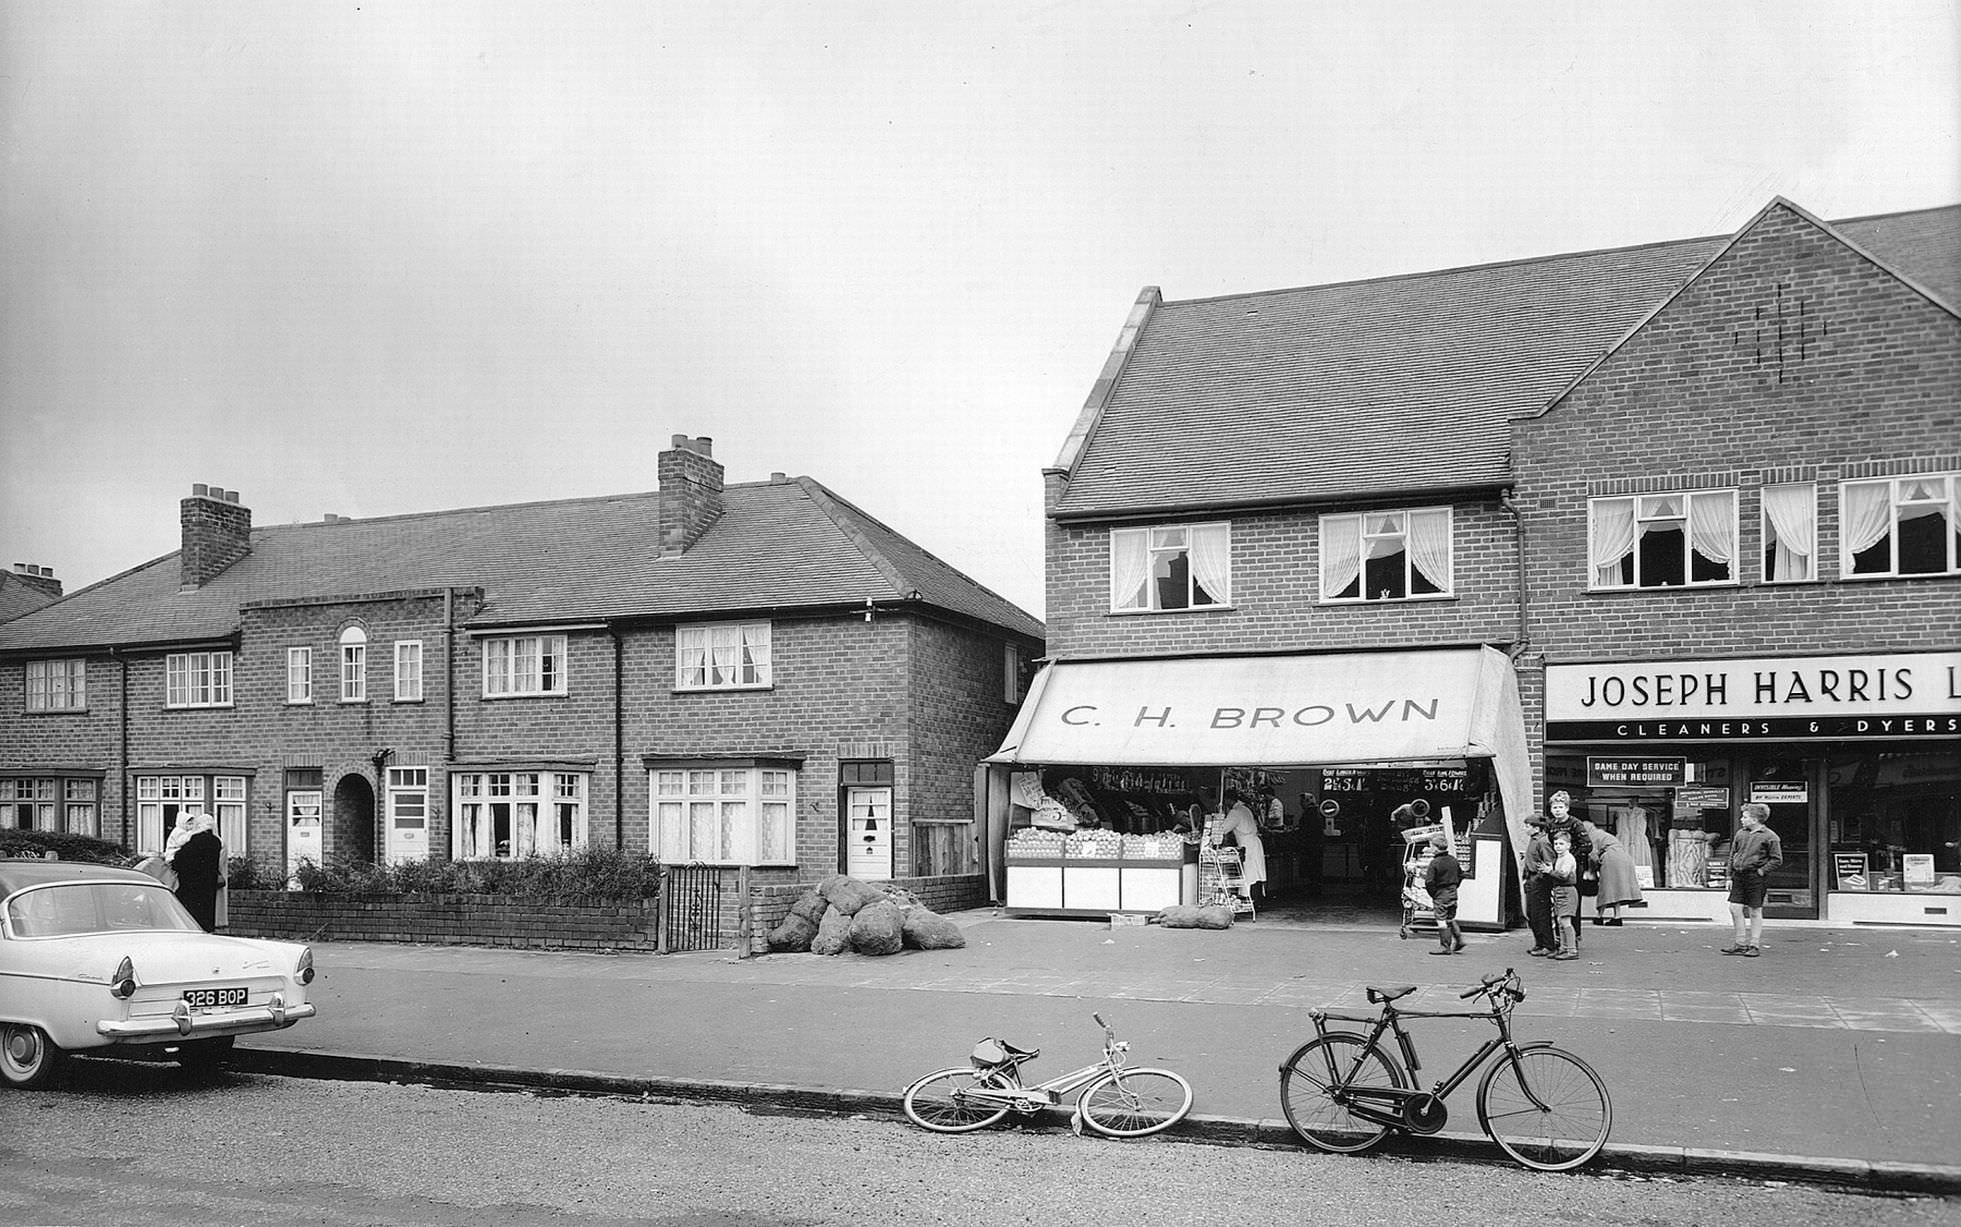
(1837, 1056)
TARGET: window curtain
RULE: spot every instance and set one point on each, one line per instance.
(1429, 547)
(1793, 515)
(1212, 561)
(1130, 565)
(1341, 554)
(1868, 516)
(1712, 527)
(1612, 540)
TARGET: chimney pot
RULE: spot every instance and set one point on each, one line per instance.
(200, 490)
(778, 479)
(679, 441)
(231, 496)
(705, 445)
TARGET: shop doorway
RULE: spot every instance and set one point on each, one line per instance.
(1786, 786)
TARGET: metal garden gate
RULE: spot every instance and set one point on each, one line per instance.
(690, 908)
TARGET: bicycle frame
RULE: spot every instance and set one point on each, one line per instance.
(1411, 1107)
(1017, 1096)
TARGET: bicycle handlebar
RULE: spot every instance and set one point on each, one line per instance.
(1493, 982)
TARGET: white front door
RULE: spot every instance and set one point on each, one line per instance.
(408, 814)
(303, 840)
(868, 834)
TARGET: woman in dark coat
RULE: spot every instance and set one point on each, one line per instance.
(1619, 885)
(200, 866)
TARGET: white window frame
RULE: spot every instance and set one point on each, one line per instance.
(228, 800)
(1648, 510)
(1161, 542)
(198, 679)
(159, 800)
(524, 666)
(1769, 540)
(1010, 673)
(299, 676)
(49, 803)
(1948, 505)
(537, 808)
(723, 656)
(723, 814)
(354, 665)
(57, 685)
(1366, 531)
(408, 671)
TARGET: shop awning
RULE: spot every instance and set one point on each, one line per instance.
(1275, 711)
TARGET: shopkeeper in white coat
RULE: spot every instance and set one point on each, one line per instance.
(1243, 829)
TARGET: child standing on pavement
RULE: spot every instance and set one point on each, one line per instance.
(1565, 893)
(1441, 878)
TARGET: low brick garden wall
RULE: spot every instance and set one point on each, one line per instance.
(499, 920)
(453, 920)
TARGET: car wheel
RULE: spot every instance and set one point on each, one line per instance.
(28, 1058)
(206, 1054)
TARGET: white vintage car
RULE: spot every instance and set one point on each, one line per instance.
(102, 960)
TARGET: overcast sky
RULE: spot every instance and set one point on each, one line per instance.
(375, 258)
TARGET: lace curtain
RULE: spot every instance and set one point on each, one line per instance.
(1712, 526)
(1341, 554)
(1612, 539)
(1793, 515)
(1429, 547)
(1211, 555)
(1868, 516)
(1130, 565)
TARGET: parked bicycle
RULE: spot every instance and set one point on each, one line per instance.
(1117, 1101)
(1344, 1092)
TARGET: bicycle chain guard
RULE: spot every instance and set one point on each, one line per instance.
(1424, 1114)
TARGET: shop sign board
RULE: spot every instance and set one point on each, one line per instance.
(1623, 771)
(1690, 802)
(1849, 870)
(1917, 868)
(1780, 792)
(1892, 695)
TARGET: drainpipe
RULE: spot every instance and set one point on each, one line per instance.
(449, 677)
(380, 760)
(619, 737)
(122, 751)
(1518, 547)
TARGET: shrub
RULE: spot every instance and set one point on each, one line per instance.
(604, 874)
(65, 846)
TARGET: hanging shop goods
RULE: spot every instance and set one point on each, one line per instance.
(1320, 749)
(1858, 758)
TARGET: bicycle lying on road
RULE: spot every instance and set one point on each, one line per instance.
(1344, 1092)
(1117, 1101)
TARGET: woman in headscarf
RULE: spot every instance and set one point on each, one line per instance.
(1619, 884)
(199, 859)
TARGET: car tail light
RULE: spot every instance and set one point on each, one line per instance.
(305, 970)
(123, 983)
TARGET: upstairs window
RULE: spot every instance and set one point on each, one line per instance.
(1386, 555)
(1171, 567)
(353, 665)
(198, 679)
(524, 664)
(1901, 526)
(1790, 533)
(57, 685)
(728, 656)
(1672, 540)
(299, 675)
(408, 670)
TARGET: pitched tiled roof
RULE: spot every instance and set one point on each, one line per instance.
(1394, 385)
(17, 598)
(777, 546)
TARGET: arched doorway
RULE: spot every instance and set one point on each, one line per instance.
(354, 819)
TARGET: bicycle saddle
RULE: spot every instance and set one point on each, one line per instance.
(1378, 995)
(1001, 1052)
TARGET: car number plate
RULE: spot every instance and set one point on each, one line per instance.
(205, 998)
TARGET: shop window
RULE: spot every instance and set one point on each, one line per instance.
(1170, 567)
(1900, 526)
(1895, 821)
(57, 685)
(1790, 529)
(729, 656)
(1663, 540)
(1386, 555)
(726, 815)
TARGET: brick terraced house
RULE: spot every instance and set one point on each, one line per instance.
(1674, 527)
(760, 674)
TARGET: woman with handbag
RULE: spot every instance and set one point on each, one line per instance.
(1615, 883)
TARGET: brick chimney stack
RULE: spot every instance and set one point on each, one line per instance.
(39, 578)
(690, 493)
(217, 533)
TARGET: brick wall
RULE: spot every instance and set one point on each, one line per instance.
(1275, 591)
(449, 920)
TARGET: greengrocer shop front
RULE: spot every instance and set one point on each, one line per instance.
(1122, 750)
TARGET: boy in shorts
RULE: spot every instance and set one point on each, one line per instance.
(1754, 852)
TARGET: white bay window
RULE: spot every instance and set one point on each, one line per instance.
(732, 814)
(509, 815)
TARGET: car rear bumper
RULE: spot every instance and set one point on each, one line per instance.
(184, 1021)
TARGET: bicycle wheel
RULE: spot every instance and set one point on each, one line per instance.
(1135, 1102)
(1546, 1108)
(939, 1101)
(1310, 1079)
